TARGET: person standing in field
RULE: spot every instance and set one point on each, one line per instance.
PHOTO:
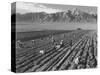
(51, 38)
(70, 43)
(33, 43)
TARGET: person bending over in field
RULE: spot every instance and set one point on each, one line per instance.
(57, 46)
(41, 51)
(19, 44)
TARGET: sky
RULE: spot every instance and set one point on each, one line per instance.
(27, 7)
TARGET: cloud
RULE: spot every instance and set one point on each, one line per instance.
(23, 7)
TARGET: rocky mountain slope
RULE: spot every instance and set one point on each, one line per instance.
(65, 16)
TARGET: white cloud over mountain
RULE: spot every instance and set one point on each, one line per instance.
(23, 7)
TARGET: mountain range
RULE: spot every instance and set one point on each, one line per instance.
(76, 16)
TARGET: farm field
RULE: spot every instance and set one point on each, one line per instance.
(30, 35)
(82, 54)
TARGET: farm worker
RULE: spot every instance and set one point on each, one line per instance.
(76, 61)
(52, 40)
(33, 43)
(19, 44)
(41, 51)
(70, 43)
(57, 46)
(61, 42)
